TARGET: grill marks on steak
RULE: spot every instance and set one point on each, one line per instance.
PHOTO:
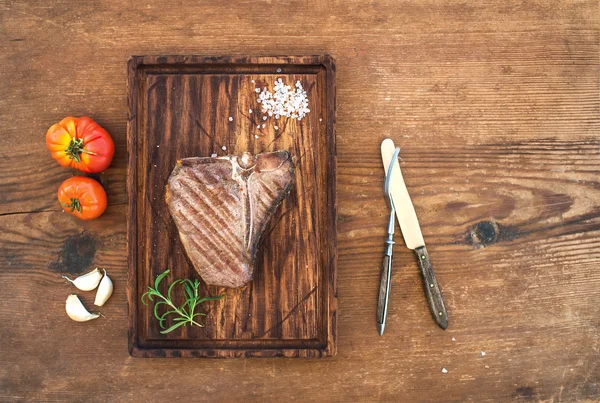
(221, 207)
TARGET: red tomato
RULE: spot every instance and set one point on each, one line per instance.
(83, 197)
(81, 144)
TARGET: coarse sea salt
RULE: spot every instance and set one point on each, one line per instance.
(284, 100)
(230, 119)
(213, 155)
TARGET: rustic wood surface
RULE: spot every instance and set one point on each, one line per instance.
(496, 107)
(186, 106)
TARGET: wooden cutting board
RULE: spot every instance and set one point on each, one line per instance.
(185, 106)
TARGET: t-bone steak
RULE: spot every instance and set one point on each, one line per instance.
(221, 207)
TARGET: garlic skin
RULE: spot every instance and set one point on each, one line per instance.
(87, 282)
(77, 311)
(105, 290)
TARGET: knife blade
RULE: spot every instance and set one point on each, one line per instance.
(413, 237)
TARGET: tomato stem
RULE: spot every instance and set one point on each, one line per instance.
(75, 204)
(75, 149)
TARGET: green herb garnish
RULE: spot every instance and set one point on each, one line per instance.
(185, 313)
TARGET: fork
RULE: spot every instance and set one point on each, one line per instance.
(386, 273)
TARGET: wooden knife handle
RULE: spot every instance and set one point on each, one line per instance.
(432, 289)
(384, 289)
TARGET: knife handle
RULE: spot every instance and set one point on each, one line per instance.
(432, 289)
(384, 291)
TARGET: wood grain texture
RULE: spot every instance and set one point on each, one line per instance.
(189, 106)
(496, 108)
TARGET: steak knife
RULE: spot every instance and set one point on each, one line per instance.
(411, 231)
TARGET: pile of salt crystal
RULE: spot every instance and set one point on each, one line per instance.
(284, 101)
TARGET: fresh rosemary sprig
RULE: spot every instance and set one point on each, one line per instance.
(185, 313)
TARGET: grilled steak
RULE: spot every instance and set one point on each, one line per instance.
(221, 207)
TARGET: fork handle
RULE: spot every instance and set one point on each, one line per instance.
(384, 291)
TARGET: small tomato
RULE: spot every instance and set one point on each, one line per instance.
(80, 143)
(83, 197)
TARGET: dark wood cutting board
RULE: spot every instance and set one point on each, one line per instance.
(185, 106)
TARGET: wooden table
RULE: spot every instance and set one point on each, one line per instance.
(496, 107)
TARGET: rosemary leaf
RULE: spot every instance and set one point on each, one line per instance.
(175, 326)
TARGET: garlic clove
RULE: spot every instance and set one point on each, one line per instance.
(105, 290)
(88, 281)
(77, 311)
